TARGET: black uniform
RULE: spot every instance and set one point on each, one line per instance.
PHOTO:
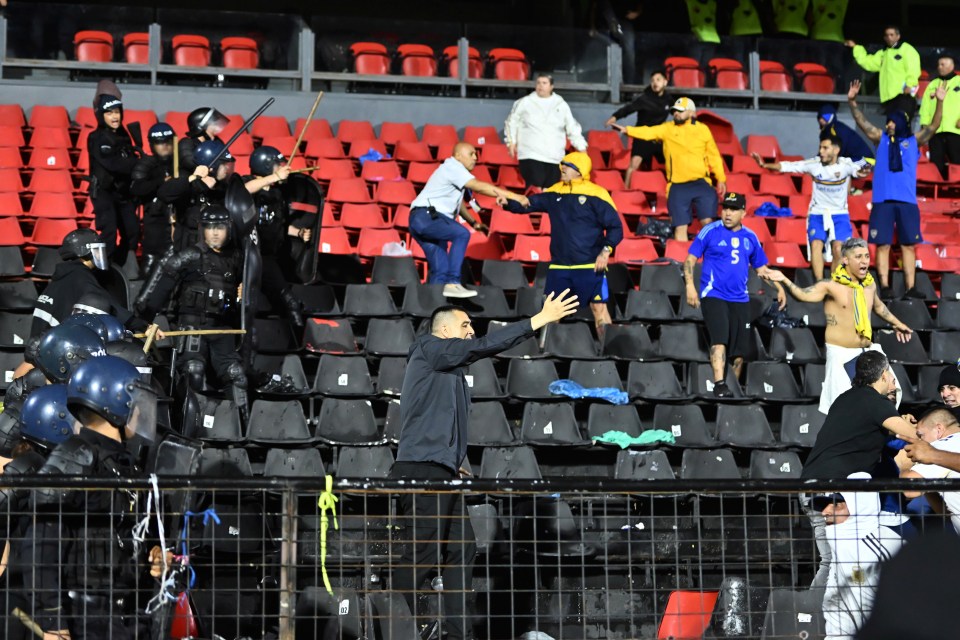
(112, 158)
(71, 281)
(651, 110)
(186, 147)
(188, 199)
(273, 220)
(149, 174)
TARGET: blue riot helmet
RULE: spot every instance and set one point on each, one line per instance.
(108, 328)
(63, 348)
(45, 419)
(205, 153)
(111, 388)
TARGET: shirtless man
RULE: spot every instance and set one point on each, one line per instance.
(847, 299)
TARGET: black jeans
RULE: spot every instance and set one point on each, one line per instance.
(113, 214)
(444, 537)
(944, 149)
(540, 174)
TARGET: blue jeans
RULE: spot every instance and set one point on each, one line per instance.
(434, 236)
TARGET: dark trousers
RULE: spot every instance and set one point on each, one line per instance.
(156, 233)
(944, 149)
(540, 174)
(216, 352)
(434, 235)
(440, 525)
(272, 282)
(113, 214)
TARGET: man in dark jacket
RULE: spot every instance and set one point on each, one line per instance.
(851, 144)
(652, 107)
(149, 174)
(112, 157)
(433, 446)
(203, 124)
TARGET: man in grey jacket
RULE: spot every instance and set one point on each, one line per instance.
(434, 413)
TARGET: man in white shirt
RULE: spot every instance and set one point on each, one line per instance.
(828, 216)
(536, 133)
(939, 428)
(433, 217)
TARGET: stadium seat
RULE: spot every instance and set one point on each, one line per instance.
(347, 421)
(53, 158)
(325, 148)
(370, 58)
(648, 181)
(608, 179)
(332, 169)
(11, 136)
(389, 337)
(11, 234)
(790, 230)
(381, 171)
(368, 300)
(772, 382)
(56, 181)
(687, 614)
(146, 117)
(11, 115)
(482, 380)
(480, 136)
(629, 342)
(570, 341)
(10, 182)
(416, 153)
(604, 140)
(794, 614)
(666, 278)
(648, 305)
(93, 46)
(360, 148)
(362, 216)
(785, 255)
(136, 48)
(775, 465)
(499, 155)
(53, 205)
(727, 73)
(740, 183)
(349, 131)
(642, 465)
(417, 60)
(278, 423)
(708, 464)
(814, 78)
(797, 345)
(530, 379)
(633, 250)
(509, 463)
(531, 249)
(317, 128)
(391, 193)
(269, 127)
(683, 72)
(509, 64)
(743, 426)
(371, 241)
(488, 426)
(549, 424)
(435, 135)
(49, 116)
(349, 190)
(392, 133)
(451, 56)
(759, 227)
(364, 462)
(700, 382)
(774, 77)
(191, 50)
(240, 52)
(777, 184)
(595, 373)
(767, 146)
(334, 240)
(800, 424)
(50, 231)
(506, 223)
(682, 342)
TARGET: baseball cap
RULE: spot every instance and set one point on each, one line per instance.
(735, 201)
(683, 104)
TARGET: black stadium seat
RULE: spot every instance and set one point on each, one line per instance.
(743, 426)
(708, 464)
(389, 337)
(628, 342)
(343, 376)
(684, 342)
(369, 300)
(548, 424)
(656, 381)
(771, 381)
(800, 424)
(686, 423)
(604, 417)
(530, 379)
(643, 465)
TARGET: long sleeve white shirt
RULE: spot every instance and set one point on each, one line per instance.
(540, 128)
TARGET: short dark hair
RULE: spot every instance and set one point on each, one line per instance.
(894, 27)
(853, 243)
(662, 72)
(939, 414)
(439, 312)
(544, 74)
(948, 55)
(869, 368)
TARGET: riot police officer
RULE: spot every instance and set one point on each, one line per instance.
(269, 169)
(148, 176)
(203, 124)
(207, 277)
(64, 348)
(112, 158)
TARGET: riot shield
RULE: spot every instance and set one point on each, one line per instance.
(305, 197)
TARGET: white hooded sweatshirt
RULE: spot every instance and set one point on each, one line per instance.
(540, 128)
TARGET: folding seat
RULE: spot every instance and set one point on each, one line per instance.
(50, 232)
(797, 346)
(11, 115)
(451, 56)
(505, 274)
(416, 153)
(628, 342)
(389, 337)
(278, 422)
(570, 341)
(767, 146)
(136, 48)
(343, 376)
(11, 262)
(643, 465)
(800, 424)
(347, 421)
(362, 216)
(44, 260)
(53, 158)
(506, 223)
(224, 463)
(293, 463)
(526, 350)
(329, 335)
(609, 180)
(948, 314)
(814, 78)
(276, 335)
(317, 299)
(482, 380)
(50, 138)
(654, 381)
(509, 463)
(12, 136)
(364, 146)
(10, 158)
(648, 182)
(604, 140)
(648, 305)
(775, 465)
(743, 426)
(49, 116)
(794, 614)
(434, 135)
(394, 271)
(777, 184)
(240, 53)
(349, 131)
(10, 205)
(419, 300)
(370, 58)
(727, 73)
(700, 383)
(684, 342)
(327, 149)
(813, 375)
(683, 72)
(774, 77)
(667, 278)
(488, 426)
(785, 255)
(772, 382)
(218, 421)
(349, 190)
(595, 373)
(509, 64)
(14, 329)
(445, 150)
(369, 300)
(712, 464)
(417, 60)
(364, 462)
(912, 313)
(390, 193)
(270, 126)
(687, 614)
(191, 50)
(550, 424)
(530, 379)
(372, 241)
(52, 182)
(686, 423)
(480, 136)
(909, 353)
(532, 249)
(944, 346)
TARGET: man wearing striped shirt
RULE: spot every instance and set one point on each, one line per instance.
(828, 217)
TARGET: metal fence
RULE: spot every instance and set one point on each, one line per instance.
(285, 558)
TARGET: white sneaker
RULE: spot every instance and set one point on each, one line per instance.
(457, 291)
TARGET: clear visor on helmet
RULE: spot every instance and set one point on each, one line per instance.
(143, 417)
(214, 122)
(98, 253)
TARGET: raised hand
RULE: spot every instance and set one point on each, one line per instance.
(854, 90)
(555, 308)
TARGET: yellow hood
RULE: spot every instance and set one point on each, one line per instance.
(581, 186)
(581, 161)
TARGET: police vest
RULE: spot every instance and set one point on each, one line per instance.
(828, 20)
(746, 20)
(790, 16)
(212, 295)
(703, 20)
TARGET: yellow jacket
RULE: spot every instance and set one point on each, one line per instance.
(689, 150)
(899, 67)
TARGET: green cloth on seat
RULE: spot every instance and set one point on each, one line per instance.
(624, 440)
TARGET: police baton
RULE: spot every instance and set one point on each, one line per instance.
(313, 109)
(246, 125)
(151, 334)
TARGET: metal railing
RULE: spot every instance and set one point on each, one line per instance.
(260, 557)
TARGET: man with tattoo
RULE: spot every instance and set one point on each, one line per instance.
(847, 299)
(728, 250)
(895, 184)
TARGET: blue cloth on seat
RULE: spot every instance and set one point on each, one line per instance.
(576, 390)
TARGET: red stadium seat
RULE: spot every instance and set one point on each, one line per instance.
(777, 184)
(393, 133)
(362, 147)
(49, 116)
(720, 128)
(740, 183)
(603, 140)
(814, 78)
(136, 48)
(929, 179)
(434, 135)
(451, 55)
(767, 146)
(50, 159)
(497, 154)
(243, 145)
(510, 224)
(774, 77)
(745, 164)
(93, 46)
(334, 240)
(191, 50)
(371, 241)
(56, 181)
(609, 180)
(10, 182)
(10, 233)
(240, 53)
(727, 73)
(677, 250)
(350, 130)
(785, 254)
(417, 60)
(631, 202)
(283, 143)
(145, 117)
(413, 152)
(11, 136)
(596, 157)
(481, 136)
(401, 218)
(53, 205)
(49, 232)
(445, 150)
(394, 193)
(648, 182)
(10, 204)
(509, 177)
(50, 138)
(859, 207)
(635, 250)
(799, 205)
(485, 247)
(319, 128)
(532, 249)
(759, 227)
(683, 72)
(420, 172)
(349, 190)
(10, 158)
(509, 64)
(360, 216)
(793, 230)
(687, 614)
(384, 170)
(324, 148)
(370, 58)
(11, 115)
(270, 126)
(929, 259)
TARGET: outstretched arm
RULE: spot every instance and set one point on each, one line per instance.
(502, 195)
(868, 129)
(816, 292)
(904, 333)
(924, 135)
(773, 166)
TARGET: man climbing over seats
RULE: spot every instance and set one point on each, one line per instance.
(847, 299)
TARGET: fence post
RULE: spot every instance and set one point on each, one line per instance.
(463, 64)
(614, 71)
(753, 68)
(288, 565)
(307, 55)
(3, 42)
(154, 50)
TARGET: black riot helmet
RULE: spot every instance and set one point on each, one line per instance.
(265, 160)
(216, 215)
(84, 244)
(200, 121)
